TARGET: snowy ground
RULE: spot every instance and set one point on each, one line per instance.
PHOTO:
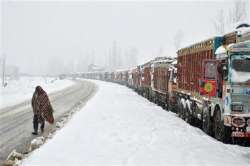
(20, 90)
(118, 127)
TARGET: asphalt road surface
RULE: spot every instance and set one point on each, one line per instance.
(16, 121)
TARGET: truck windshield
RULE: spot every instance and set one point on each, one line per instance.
(240, 68)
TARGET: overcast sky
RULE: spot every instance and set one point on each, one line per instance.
(35, 31)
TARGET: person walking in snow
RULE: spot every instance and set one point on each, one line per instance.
(42, 109)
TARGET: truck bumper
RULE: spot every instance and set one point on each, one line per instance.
(239, 125)
(239, 134)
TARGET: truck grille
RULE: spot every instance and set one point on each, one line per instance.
(244, 99)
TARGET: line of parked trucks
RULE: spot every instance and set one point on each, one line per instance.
(208, 84)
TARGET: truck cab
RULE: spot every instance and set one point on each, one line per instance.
(233, 66)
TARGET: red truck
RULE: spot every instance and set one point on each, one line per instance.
(213, 86)
(160, 71)
(145, 79)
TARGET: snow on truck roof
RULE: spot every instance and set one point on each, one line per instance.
(222, 49)
(240, 47)
(237, 47)
(202, 45)
(242, 31)
(164, 60)
(238, 27)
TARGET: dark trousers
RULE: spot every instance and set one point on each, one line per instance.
(36, 121)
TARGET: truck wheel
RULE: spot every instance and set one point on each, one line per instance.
(187, 115)
(182, 112)
(218, 126)
(206, 122)
(221, 132)
(167, 106)
(179, 108)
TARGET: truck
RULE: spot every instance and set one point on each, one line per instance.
(160, 80)
(213, 86)
(145, 79)
(136, 83)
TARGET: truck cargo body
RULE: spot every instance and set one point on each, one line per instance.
(190, 61)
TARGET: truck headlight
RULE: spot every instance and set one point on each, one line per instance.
(237, 107)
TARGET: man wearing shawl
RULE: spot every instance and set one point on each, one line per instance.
(42, 109)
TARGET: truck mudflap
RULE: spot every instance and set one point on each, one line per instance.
(240, 134)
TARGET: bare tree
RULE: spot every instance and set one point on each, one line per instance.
(234, 15)
(178, 39)
(131, 56)
(238, 12)
(115, 56)
(219, 22)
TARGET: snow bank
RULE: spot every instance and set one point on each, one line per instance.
(118, 127)
(20, 90)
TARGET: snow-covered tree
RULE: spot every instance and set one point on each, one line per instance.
(238, 12)
(115, 57)
(219, 22)
(131, 56)
(229, 18)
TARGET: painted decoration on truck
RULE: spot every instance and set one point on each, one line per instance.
(208, 87)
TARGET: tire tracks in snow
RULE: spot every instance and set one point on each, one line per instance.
(16, 125)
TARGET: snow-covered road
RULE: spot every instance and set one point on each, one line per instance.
(16, 121)
(119, 127)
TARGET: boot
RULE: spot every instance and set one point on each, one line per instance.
(34, 133)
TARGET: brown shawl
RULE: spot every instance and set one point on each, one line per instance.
(41, 105)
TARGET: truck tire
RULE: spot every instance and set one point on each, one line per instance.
(218, 126)
(182, 112)
(221, 132)
(167, 105)
(206, 121)
(187, 115)
(179, 108)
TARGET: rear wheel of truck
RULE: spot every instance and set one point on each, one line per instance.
(179, 107)
(182, 112)
(206, 121)
(187, 115)
(167, 106)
